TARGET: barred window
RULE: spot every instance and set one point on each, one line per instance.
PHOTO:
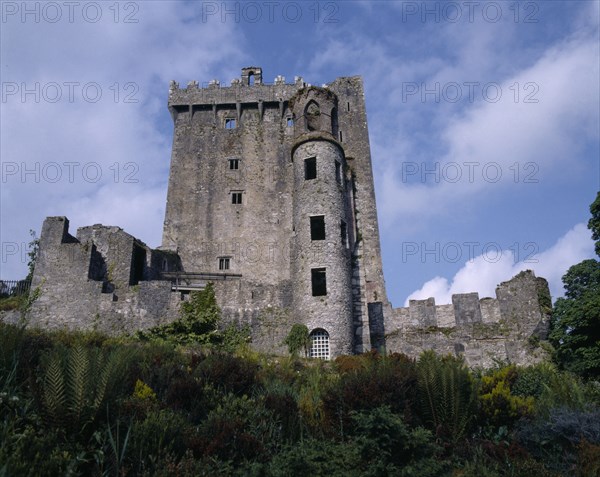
(236, 197)
(319, 344)
(224, 263)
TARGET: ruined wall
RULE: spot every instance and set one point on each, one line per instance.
(90, 281)
(505, 329)
(238, 191)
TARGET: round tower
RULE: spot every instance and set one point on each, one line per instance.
(321, 265)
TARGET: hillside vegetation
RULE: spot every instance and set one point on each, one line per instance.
(86, 404)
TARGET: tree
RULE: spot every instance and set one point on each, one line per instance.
(34, 247)
(575, 327)
(198, 322)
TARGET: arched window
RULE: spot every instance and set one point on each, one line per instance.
(312, 116)
(319, 344)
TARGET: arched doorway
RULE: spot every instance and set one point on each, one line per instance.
(319, 344)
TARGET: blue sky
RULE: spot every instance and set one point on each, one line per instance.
(483, 119)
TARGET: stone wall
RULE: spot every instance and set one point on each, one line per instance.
(238, 194)
(91, 282)
(485, 331)
(268, 129)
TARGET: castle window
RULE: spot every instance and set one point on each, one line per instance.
(338, 172)
(236, 197)
(348, 105)
(341, 137)
(230, 123)
(290, 122)
(234, 164)
(310, 168)
(224, 263)
(317, 227)
(319, 344)
(319, 282)
(344, 233)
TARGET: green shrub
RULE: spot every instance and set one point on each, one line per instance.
(238, 429)
(160, 436)
(384, 380)
(556, 440)
(531, 380)
(498, 407)
(228, 372)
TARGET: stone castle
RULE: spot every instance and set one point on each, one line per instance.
(271, 198)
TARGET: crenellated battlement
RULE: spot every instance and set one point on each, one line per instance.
(501, 328)
(249, 88)
(271, 196)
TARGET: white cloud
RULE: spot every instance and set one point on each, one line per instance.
(127, 142)
(485, 272)
(550, 133)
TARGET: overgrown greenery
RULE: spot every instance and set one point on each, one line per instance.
(575, 323)
(86, 404)
(298, 339)
(200, 323)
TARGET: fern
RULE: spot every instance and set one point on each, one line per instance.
(77, 371)
(54, 394)
(77, 382)
(447, 394)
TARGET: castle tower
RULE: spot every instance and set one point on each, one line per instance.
(271, 191)
(321, 258)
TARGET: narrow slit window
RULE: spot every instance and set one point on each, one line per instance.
(236, 197)
(317, 227)
(230, 123)
(348, 105)
(338, 172)
(344, 234)
(319, 282)
(341, 137)
(224, 263)
(310, 168)
(234, 164)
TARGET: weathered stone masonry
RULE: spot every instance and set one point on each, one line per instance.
(271, 197)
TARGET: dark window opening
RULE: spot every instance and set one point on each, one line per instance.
(338, 172)
(139, 263)
(234, 164)
(224, 263)
(344, 233)
(348, 105)
(319, 282)
(236, 197)
(334, 122)
(230, 123)
(317, 227)
(290, 122)
(310, 168)
(341, 137)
